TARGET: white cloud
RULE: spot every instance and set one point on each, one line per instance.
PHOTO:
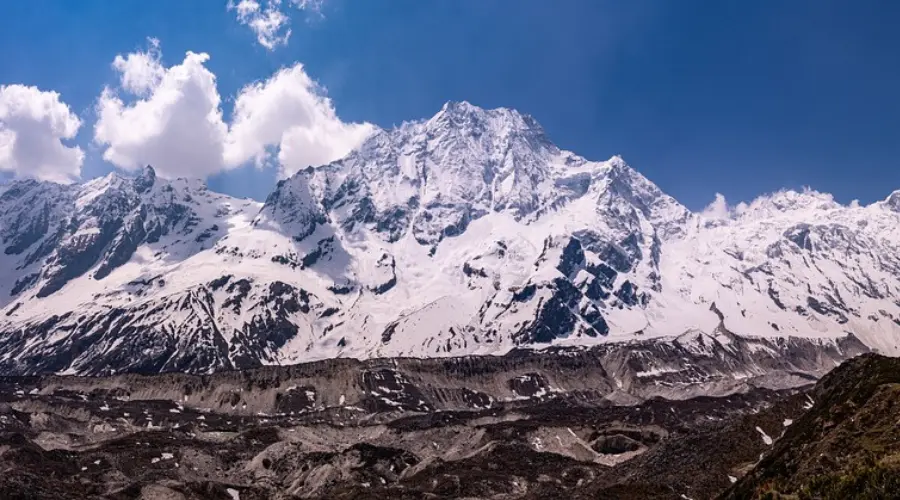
(314, 6)
(141, 72)
(269, 20)
(175, 122)
(289, 110)
(718, 209)
(33, 124)
(269, 23)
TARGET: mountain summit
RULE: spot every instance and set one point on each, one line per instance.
(469, 232)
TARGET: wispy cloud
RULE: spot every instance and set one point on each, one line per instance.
(270, 19)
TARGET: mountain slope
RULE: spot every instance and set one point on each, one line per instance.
(846, 446)
(467, 233)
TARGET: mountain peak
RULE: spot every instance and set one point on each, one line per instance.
(459, 107)
(465, 122)
(144, 181)
(292, 208)
(100, 184)
(458, 111)
(789, 200)
(618, 166)
(893, 201)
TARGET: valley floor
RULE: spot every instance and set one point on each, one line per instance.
(76, 445)
(263, 434)
(128, 438)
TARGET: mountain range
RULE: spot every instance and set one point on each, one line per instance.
(466, 233)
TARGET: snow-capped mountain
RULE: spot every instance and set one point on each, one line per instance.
(466, 233)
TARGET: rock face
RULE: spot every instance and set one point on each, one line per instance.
(522, 426)
(467, 233)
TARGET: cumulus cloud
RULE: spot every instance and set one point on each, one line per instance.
(291, 111)
(270, 20)
(174, 121)
(33, 125)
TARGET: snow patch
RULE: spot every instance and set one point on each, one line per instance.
(765, 437)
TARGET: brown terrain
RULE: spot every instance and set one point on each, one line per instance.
(523, 426)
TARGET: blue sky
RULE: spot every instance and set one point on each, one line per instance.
(740, 98)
